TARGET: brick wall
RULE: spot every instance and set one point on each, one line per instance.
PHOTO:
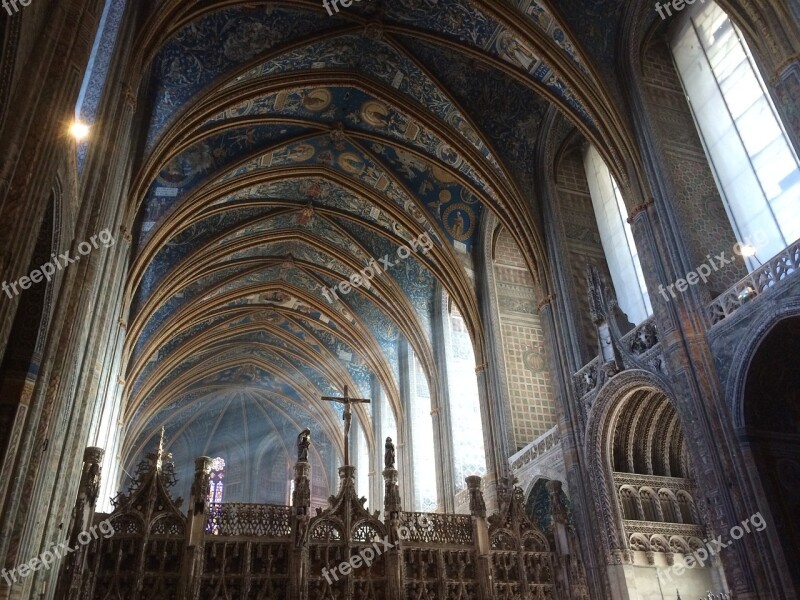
(706, 228)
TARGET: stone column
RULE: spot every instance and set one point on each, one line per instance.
(405, 432)
(301, 507)
(197, 517)
(480, 533)
(198, 500)
(440, 415)
(570, 573)
(392, 506)
(496, 417)
(496, 463)
(551, 313)
(88, 490)
(376, 459)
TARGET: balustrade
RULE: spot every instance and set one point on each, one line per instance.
(767, 277)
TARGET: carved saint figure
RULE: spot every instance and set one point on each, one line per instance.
(303, 443)
(459, 226)
(93, 483)
(389, 456)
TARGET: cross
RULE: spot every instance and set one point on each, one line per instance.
(348, 415)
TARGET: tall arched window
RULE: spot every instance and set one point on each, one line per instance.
(756, 168)
(97, 70)
(468, 453)
(617, 239)
(217, 475)
(425, 464)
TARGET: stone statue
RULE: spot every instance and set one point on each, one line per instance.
(303, 444)
(93, 483)
(389, 456)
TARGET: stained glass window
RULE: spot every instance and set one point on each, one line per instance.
(217, 475)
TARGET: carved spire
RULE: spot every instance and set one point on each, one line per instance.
(160, 454)
(600, 304)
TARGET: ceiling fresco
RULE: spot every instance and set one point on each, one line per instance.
(287, 150)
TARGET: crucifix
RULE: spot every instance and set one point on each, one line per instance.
(348, 415)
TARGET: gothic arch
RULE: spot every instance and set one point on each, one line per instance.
(745, 353)
(612, 406)
(771, 433)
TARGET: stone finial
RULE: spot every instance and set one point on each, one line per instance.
(201, 484)
(477, 505)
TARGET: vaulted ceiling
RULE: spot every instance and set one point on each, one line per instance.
(286, 149)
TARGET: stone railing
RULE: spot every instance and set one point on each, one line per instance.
(435, 528)
(649, 528)
(656, 482)
(537, 448)
(766, 277)
(640, 346)
(249, 520)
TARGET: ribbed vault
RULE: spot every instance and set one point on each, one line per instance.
(287, 150)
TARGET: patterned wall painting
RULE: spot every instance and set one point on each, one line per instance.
(218, 42)
(377, 60)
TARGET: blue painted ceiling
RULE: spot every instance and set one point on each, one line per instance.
(285, 151)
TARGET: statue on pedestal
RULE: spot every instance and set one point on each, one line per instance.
(389, 456)
(303, 444)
